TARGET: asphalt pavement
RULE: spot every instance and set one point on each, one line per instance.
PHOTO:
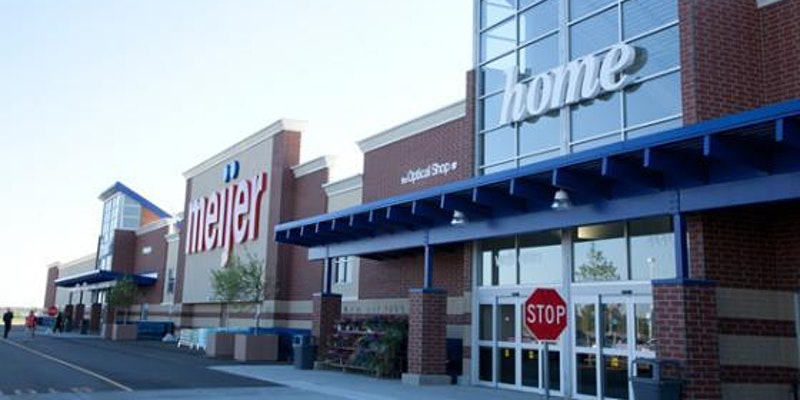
(81, 364)
(80, 367)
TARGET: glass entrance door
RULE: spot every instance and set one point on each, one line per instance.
(509, 356)
(610, 331)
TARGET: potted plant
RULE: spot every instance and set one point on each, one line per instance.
(242, 281)
(119, 298)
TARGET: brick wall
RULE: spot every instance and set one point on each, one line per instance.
(452, 141)
(686, 330)
(721, 59)
(747, 247)
(50, 290)
(754, 249)
(780, 50)
(285, 154)
(124, 251)
(393, 278)
(304, 277)
(736, 56)
(426, 333)
(326, 313)
(155, 261)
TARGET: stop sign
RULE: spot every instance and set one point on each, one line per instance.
(52, 311)
(545, 314)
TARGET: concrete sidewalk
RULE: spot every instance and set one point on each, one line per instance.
(340, 385)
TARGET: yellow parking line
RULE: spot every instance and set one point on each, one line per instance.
(70, 365)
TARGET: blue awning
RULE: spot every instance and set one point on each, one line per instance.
(100, 276)
(746, 158)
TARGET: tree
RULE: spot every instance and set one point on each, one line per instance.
(597, 267)
(122, 295)
(240, 281)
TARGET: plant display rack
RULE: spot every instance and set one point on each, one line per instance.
(375, 346)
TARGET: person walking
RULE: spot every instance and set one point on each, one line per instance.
(7, 318)
(30, 323)
(59, 325)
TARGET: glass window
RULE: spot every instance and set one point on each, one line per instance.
(579, 8)
(499, 167)
(594, 34)
(652, 249)
(640, 16)
(540, 258)
(490, 111)
(503, 260)
(485, 364)
(599, 253)
(644, 327)
(485, 322)
(341, 268)
(539, 56)
(493, 74)
(656, 53)
(596, 117)
(554, 366)
(596, 142)
(538, 20)
(532, 37)
(506, 323)
(540, 157)
(650, 129)
(540, 134)
(584, 326)
(493, 11)
(585, 365)
(498, 145)
(615, 377)
(530, 367)
(498, 40)
(615, 327)
(508, 365)
(653, 100)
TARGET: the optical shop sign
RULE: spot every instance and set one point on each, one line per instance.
(429, 171)
(228, 216)
(578, 80)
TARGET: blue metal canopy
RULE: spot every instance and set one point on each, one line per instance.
(99, 276)
(747, 158)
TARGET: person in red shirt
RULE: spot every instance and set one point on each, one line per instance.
(30, 323)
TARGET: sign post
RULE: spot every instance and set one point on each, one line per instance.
(546, 318)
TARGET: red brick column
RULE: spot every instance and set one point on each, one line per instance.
(427, 337)
(69, 312)
(94, 317)
(77, 320)
(327, 311)
(687, 330)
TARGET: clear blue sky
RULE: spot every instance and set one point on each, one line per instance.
(93, 92)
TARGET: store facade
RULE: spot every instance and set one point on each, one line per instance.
(670, 147)
(640, 157)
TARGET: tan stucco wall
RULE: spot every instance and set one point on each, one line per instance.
(199, 266)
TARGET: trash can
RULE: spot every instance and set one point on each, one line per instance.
(305, 351)
(655, 386)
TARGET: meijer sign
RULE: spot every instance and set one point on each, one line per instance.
(582, 79)
(228, 216)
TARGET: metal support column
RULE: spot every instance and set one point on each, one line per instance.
(681, 246)
(428, 280)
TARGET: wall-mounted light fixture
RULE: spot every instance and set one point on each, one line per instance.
(459, 218)
(561, 201)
